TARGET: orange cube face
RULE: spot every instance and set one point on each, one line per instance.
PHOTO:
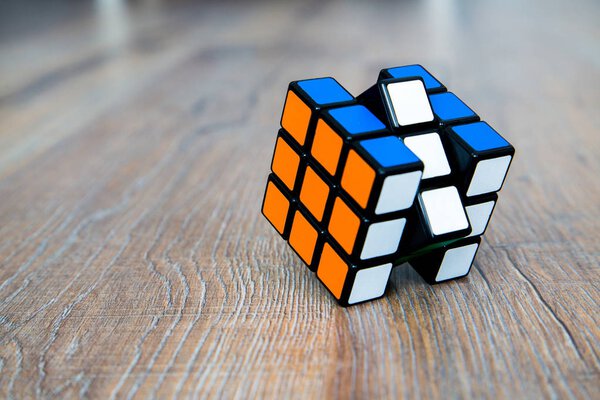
(285, 163)
(303, 238)
(344, 225)
(276, 207)
(332, 271)
(327, 147)
(358, 178)
(314, 193)
(296, 117)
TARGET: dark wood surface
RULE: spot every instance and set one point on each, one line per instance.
(134, 147)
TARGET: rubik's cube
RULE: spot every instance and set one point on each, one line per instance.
(405, 173)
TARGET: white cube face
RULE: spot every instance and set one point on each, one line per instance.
(398, 192)
(488, 176)
(479, 215)
(428, 147)
(370, 283)
(456, 262)
(382, 238)
(409, 103)
(444, 210)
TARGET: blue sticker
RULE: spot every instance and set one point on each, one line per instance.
(325, 90)
(480, 136)
(356, 119)
(448, 107)
(415, 70)
(389, 151)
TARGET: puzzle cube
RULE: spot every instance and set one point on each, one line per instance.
(403, 174)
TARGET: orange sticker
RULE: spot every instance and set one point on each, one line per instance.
(296, 116)
(332, 271)
(303, 238)
(285, 163)
(276, 207)
(314, 193)
(358, 178)
(327, 147)
(344, 225)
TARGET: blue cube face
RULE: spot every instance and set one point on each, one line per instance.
(480, 136)
(415, 70)
(356, 119)
(447, 107)
(389, 151)
(325, 91)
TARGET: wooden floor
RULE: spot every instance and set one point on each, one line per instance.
(135, 143)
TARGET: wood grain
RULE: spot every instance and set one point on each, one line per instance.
(135, 142)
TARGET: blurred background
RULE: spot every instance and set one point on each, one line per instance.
(66, 62)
